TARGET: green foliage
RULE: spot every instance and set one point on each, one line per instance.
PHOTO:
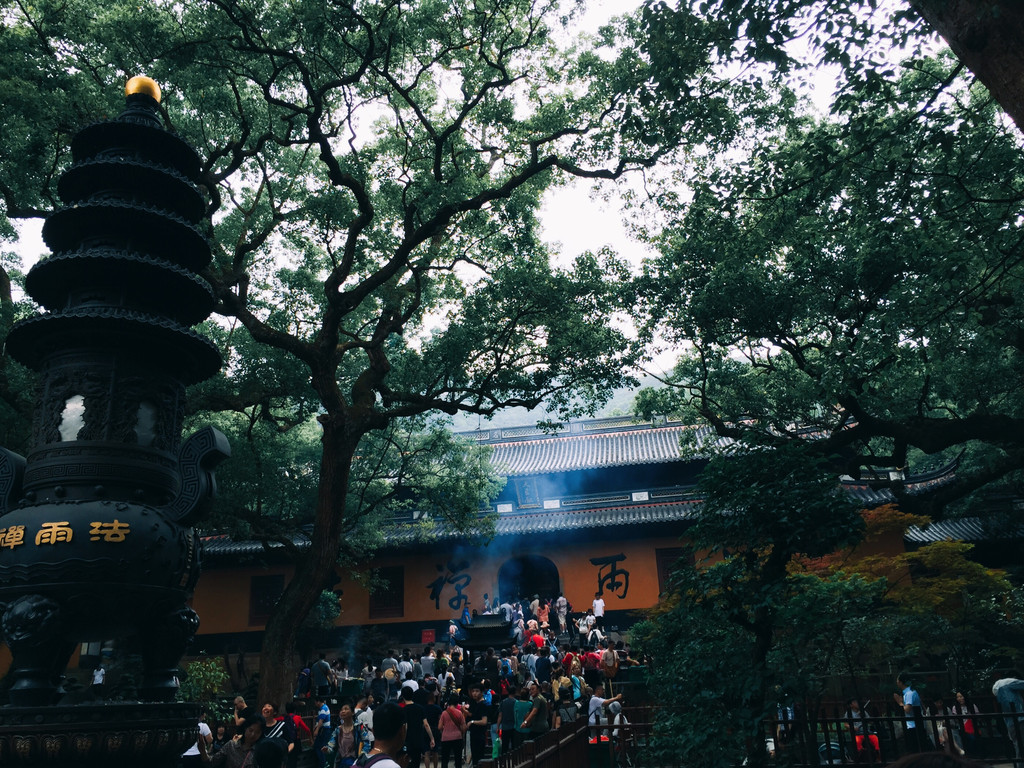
(845, 288)
(17, 384)
(857, 278)
(739, 624)
(324, 613)
(374, 172)
(203, 681)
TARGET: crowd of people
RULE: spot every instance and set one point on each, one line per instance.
(553, 617)
(455, 706)
(441, 707)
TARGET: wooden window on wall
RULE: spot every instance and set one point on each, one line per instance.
(666, 559)
(387, 601)
(264, 592)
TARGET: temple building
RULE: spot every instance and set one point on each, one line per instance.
(600, 506)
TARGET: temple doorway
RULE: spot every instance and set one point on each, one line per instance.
(526, 576)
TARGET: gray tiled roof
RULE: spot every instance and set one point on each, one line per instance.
(567, 452)
(966, 529)
(222, 547)
(221, 544)
(579, 519)
(591, 444)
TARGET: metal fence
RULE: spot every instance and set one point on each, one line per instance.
(579, 745)
(826, 738)
(830, 737)
(562, 748)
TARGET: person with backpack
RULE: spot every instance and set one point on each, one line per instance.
(452, 724)
(302, 733)
(506, 675)
(561, 684)
(344, 747)
(566, 710)
(364, 722)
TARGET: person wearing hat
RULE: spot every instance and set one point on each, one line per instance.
(620, 735)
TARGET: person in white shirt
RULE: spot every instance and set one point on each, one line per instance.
(98, 676)
(561, 611)
(405, 665)
(599, 611)
(427, 661)
(364, 721)
(192, 758)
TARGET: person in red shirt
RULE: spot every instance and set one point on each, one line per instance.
(592, 668)
(568, 659)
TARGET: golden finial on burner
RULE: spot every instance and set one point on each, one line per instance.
(142, 84)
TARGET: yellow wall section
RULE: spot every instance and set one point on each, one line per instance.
(222, 596)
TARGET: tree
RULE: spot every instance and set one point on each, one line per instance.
(854, 35)
(204, 682)
(856, 281)
(374, 172)
(985, 35)
(963, 612)
(778, 595)
(734, 597)
(847, 284)
(15, 382)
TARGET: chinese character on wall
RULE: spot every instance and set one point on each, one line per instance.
(611, 578)
(454, 576)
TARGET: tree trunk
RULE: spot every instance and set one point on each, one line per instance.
(773, 572)
(986, 36)
(277, 658)
(764, 634)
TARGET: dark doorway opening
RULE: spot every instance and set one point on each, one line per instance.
(526, 576)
